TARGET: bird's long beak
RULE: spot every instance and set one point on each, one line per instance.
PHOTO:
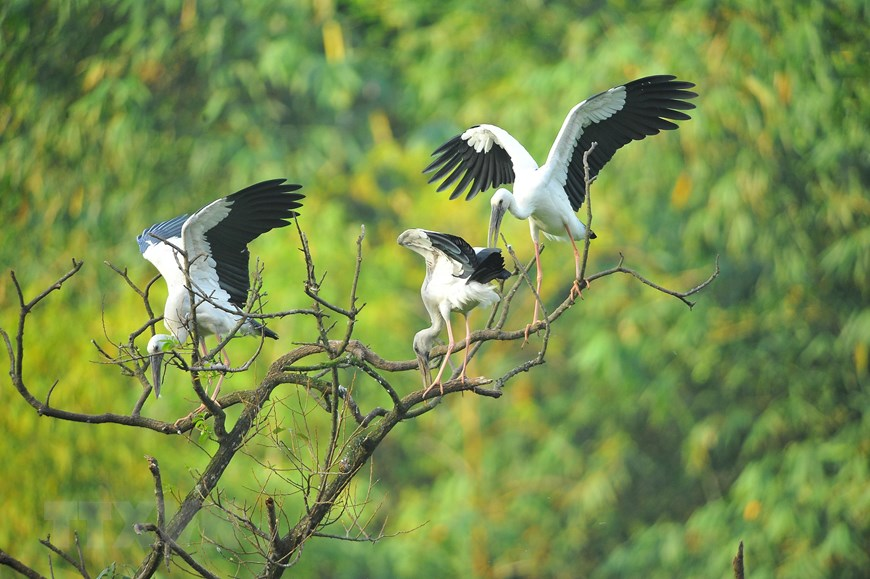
(423, 364)
(495, 218)
(156, 366)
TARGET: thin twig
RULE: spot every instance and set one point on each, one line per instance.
(273, 521)
(524, 274)
(243, 520)
(154, 467)
(79, 565)
(354, 311)
(388, 388)
(158, 498)
(677, 294)
(76, 266)
(140, 528)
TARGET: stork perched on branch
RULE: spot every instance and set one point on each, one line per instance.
(206, 255)
(457, 280)
(549, 196)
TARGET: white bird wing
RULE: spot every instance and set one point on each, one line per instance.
(216, 237)
(481, 265)
(154, 246)
(457, 250)
(484, 156)
(612, 119)
(203, 267)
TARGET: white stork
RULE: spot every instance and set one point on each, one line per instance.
(457, 280)
(549, 196)
(214, 241)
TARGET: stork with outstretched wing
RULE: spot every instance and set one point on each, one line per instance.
(549, 196)
(206, 254)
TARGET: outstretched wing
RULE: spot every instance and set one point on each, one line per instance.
(484, 156)
(455, 248)
(216, 237)
(612, 119)
(162, 255)
(165, 230)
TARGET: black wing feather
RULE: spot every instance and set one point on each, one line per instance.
(456, 249)
(253, 211)
(447, 162)
(482, 266)
(478, 171)
(649, 102)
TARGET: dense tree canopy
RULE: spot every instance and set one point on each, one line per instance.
(654, 439)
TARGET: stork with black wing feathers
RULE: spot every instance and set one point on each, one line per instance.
(549, 196)
(207, 254)
(457, 280)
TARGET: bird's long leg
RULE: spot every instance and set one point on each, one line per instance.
(226, 358)
(217, 388)
(226, 361)
(204, 350)
(540, 276)
(467, 348)
(450, 344)
(575, 287)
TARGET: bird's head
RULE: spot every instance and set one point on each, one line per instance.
(413, 238)
(501, 202)
(417, 241)
(424, 340)
(158, 346)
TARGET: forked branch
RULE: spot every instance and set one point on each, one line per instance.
(313, 369)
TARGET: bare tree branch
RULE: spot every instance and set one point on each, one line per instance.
(158, 498)
(317, 469)
(79, 565)
(187, 557)
(9, 561)
(273, 521)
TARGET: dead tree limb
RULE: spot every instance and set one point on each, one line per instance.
(315, 370)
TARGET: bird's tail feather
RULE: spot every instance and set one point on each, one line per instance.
(491, 266)
(269, 333)
(258, 328)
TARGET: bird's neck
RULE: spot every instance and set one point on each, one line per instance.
(520, 206)
(435, 317)
(424, 340)
(176, 314)
(179, 332)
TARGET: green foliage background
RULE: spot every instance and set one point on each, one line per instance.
(654, 439)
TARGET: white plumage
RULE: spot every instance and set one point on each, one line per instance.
(457, 280)
(214, 241)
(549, 196)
